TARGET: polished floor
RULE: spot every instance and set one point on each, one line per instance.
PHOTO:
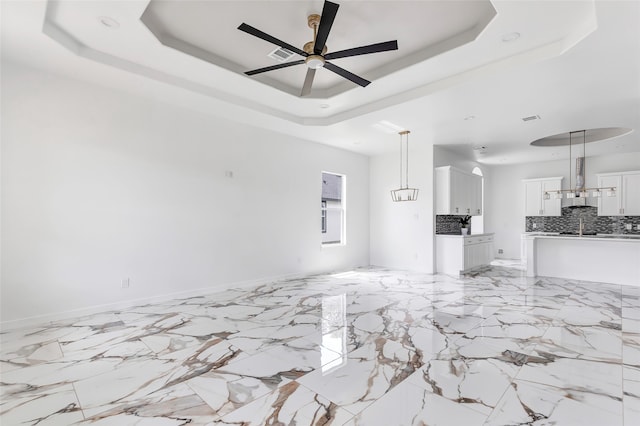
(368, 347)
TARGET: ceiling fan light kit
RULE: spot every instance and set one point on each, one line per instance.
(315, 51)
(314, 61)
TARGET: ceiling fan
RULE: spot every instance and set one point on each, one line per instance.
(315, 52)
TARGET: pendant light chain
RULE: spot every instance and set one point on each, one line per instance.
(570, 157)
(407, 178)
(401, 161)
(584, 155)
(404, 193)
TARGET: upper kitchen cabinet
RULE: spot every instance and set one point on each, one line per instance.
(627, 199)
(458, 192)
(536, 203)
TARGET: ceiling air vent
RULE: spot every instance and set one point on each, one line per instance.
(280, 54)
(531, 118)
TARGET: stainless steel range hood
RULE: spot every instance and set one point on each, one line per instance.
(580, 202)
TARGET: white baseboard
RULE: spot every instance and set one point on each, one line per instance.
(41, 320)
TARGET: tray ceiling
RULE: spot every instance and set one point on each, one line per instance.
(196, 46)
(575, 65)
(208, 31)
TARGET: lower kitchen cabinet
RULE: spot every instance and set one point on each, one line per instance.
(456, 254)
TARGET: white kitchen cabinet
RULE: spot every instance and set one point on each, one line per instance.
(476, 195)
(458, 192)
(627, 199)
(456, 254)
(535, 202)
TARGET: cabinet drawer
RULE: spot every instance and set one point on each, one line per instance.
(478, 240)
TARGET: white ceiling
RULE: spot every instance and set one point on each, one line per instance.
(576, 65)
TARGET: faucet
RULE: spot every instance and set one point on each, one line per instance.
(581, 227)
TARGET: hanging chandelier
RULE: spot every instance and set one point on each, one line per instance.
(579, 191)
(404, 193)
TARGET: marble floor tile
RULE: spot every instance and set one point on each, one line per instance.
(476, 383)
(372, 346)
(290, 404)
(177, 405)
(591, 343)
(572, 374)
(408, 404)
(244, 380)
(526, 403)
(366, 374)
(46, 405)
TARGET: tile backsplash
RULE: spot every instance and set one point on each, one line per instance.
(570, 222)
(449, 224)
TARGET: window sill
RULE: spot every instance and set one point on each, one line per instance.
(327, 245)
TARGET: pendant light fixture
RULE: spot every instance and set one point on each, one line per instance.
(404, 193)
(579, 191)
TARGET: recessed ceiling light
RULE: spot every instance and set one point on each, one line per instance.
(109, 22)
(324, 106)
(470, 117)
(508, 38)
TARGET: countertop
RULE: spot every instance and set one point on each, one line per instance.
(464, 236)
(597, 237)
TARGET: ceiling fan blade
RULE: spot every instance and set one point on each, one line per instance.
(257, 33)
(274, 67)
(364, 50)
(308, 81)
(346, 74)
(329, 11)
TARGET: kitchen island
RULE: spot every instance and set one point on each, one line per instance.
(601, 258)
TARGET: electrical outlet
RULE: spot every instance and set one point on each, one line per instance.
(638, 227)
(125, 283)
(629, 226)
(535, 225)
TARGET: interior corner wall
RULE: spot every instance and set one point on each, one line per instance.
(445, 157)
(506, 194)
(99, 186)
(402, 233)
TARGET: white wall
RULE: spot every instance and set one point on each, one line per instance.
(99, 185)
(506, 197)
(402, 233)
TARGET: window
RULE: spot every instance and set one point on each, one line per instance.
(324, 217)
(333, 208)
